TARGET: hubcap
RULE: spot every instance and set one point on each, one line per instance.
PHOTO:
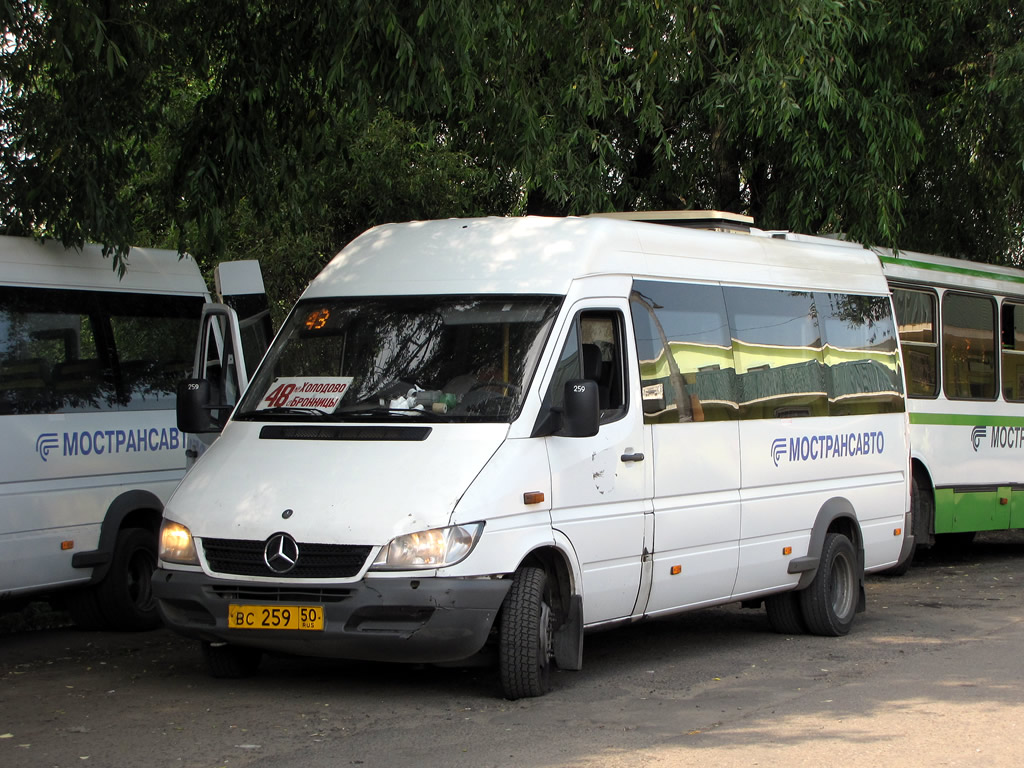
(842, 587)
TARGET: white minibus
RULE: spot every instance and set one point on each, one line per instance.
(492, 435)
(89, 365)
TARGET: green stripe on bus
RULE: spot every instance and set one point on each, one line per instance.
(952, 270)
(966, 420)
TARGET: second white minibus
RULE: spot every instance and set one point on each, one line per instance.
(499, 433)
(89, 366)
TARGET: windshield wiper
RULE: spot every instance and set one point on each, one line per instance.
(381, 410)
(287, 410)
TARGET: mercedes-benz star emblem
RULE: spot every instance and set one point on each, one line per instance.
(281, 553)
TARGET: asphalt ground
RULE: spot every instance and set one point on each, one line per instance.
(930, 675)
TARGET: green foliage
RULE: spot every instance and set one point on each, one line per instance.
(254, 128)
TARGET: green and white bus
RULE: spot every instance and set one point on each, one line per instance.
(961, 327)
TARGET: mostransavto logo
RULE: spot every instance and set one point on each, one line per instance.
(818, 447)
(45, 443)
(1001, 437)
(108, 441)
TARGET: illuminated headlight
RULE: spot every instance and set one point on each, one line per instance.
(436, 548)
(176, 544)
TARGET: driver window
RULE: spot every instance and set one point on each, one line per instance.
(593, 351)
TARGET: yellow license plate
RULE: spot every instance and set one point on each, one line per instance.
(275, 617)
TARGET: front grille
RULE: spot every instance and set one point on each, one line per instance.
(242, 557)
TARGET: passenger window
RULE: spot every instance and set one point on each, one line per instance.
(1013, 351)
(915, 315)
(968, 347)
(53, 353)
(154, 337)
(777, 348)
(862, 367)
(696, 380)
(593, 350)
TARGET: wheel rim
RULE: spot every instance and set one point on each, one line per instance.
(545, 637)
(841, 586)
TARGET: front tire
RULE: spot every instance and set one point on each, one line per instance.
(830, 601)
(525, 647)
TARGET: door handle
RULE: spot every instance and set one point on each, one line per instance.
(632, 457)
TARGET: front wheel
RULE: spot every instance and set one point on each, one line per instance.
(830, 601)
(525, 647)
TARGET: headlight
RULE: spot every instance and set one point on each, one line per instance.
(436, 548)
(176, 544)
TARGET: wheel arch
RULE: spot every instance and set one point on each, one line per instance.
(919, 470)
(567, 601)
(132, 509)
(924, 509)
(837, 515)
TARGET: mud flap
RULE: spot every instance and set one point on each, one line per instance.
(568, 640)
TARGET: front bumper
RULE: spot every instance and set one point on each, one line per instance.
(393, 619)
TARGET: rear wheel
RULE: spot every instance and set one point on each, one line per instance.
(830, 602)
(525, 636)
(126, 593)
(784, 613)
(231, 661)
(123, 600)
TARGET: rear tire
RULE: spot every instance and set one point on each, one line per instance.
(125, 595)
(830, 602)
(525, 647)
(123, 600)
(784, 614)
(231, 662)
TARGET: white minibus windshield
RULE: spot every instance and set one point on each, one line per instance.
(451, 358)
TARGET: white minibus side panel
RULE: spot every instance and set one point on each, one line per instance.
(793, 467)
(696, 513)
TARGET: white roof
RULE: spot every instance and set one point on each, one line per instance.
(24, 261)
(545, 255)
(912, 267)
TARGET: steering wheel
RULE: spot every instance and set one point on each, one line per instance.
(495, 403)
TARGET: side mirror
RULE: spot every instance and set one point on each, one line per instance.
(581, 414)
(193, 407)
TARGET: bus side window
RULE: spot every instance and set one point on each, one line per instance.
(1013, 351)
(915, 319)
(593, 350)
(968, 347)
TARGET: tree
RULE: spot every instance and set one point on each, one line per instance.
(891, 122)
